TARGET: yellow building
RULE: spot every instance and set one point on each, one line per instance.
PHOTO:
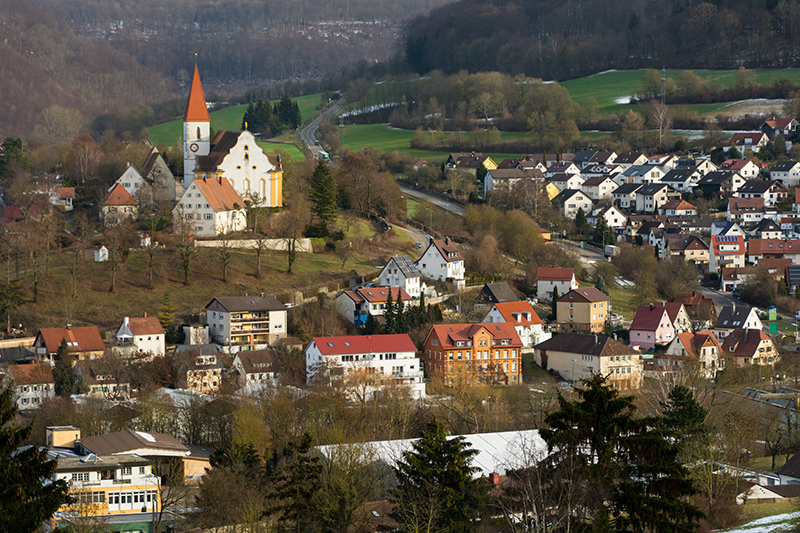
(552, 191)
(583, 310)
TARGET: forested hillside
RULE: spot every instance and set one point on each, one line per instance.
(562, 40)
(53, 82)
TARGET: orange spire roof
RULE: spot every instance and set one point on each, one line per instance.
(196, 110)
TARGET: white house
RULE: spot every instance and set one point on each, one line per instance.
(253, 321)
(753, 141)
(726, 251)
(118, 207)
(688, 348)
(561, 167)
(132, 181)
(625, 195)
(651, 197)
(569, 201)
(682, 179)
(550, 278)
(256, 366)
(744, 167)
(145, 333)
(505, 178)
(367, 363)
(442, 261)
(33, 384)
(524, 318)
(357, 305)
(401, 272)
(210, 207)
(599, 187)
(100, 254)
(564, 181)
(615, 218)
(746, 211)
(772, 192)
(787, 172)
(733, 317)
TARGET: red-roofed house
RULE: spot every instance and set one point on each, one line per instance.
(651, 325)
(701, 348)
(490, 353)
(442, 261)
(145, 333)
(744, 167)
(83, 343)
(549, 278)
(366, 363)
(753, 141)
(758, 249)
(524, 319)
(33, 384)
(118, 207)
(358, 304)
(726, 251)
(677, 207)
(750, 347)
(779, 126)
(210, 207)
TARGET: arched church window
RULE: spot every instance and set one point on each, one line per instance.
(198, 134)
(246, 147)
(247, 156)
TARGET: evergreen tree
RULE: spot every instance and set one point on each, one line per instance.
(248, 120)
(600, 285)
(630, 465)
(372, 326)
(555, 299)
(166, 316)
(435, 488)
(581, 226)
(684, 414)
(322, 193)
(295, 487)
(422, 311)
(602, 233)
(62, 373)
(389, 316)
(400, 315)
(29, 494)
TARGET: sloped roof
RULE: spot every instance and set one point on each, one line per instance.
(717, 177)
(86, 339)
(258, 361)
(732, 316)
(357, 344)
(779, 123)
(744, 342)
(681, 243)
(566, 194)
(784, 166)
(740, 139)
(91, 368)
(220, 194)
(119, 196)
(653, 188)
(514, 313)
(772, 246)
(232, 304)
(561, 176)
(628, 188)
(406, 266)
(791, 467)
(734, 164)
(629, 157)
(555, 274)
(692, 342)
(509, 173)
(145, 326)
(759, 186)
(380, 294)
(448, 334)
(649, 318)
(559, 166)
(32, 374)
(196, 110)
(125, 441)
(727, 240)
(588, 294)
(678, 205)
(596, 181)
(597, 345)
(500, 291)
(679, 175)
(65, 192)
(738, 206)
(447, 249)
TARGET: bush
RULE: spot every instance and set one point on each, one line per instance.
(318, 230)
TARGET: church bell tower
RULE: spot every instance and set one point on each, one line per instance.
(196, 129)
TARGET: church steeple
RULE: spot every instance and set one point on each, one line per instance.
(196, 110)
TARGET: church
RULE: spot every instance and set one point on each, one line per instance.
(232, 155)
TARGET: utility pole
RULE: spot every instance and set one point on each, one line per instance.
(341, 138)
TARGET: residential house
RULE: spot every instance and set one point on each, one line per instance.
(771, 192)
(701, 309)
(367, 363)
(651, 197)
(614, 218)
(210, 207)
(665, 161)
(100, 254)
(758, 249)
(104, 379)
(703, 166)
(490, 353)
(601, 158)
(583, 310)
(766, 229)
(118, 207)
(441, 261)
(625, 195)
(786, 172)
(687, 247)
(359, 304)
(33, 384)
(644, 174)
(651, 326)
(82, 343)
(469, 162)
(731, 278)
(682, 179)
(677, 207)
(752, 141)
(246, 321)
(561, 167)
(401, 271)
(746, 347)
(780, 126)
(63, 198)
(576, 357)
(201, 371)
(566, 181)
(569, 201)
(746, 211)
(744, 167)
(629, 159)
(554, 278)
(601, 170)
(506, 178)
(492, 293)
(145, 333)
(257, 366)
(733, 317)
(726, 251)
(133, 182)
(524, 319)
(581, 159)
(532, 166)
(700, 350)
(720, 182)
(157, 173)
(725, 227)
(599, 187)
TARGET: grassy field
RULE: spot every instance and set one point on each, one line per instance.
(608, 87)
(229, 118)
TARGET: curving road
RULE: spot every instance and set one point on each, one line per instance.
(435, 200)
(309, 133)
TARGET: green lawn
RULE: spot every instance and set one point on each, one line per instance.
(607, 87)
(285, 149)
(229, 118)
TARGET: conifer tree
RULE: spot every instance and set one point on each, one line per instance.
(600, 285)
(295, 487)
(581, 226)
(63, 375)
(166, 316)
(555, 299)
(322, 193)
(389, 317)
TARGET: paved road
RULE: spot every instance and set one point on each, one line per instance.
(309, 133)
(721, 299)
(587, 256)
(439, 202)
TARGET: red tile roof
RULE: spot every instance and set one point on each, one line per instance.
(737, 241)
(745, 342)
(448, 334)
(145, 326)
(85, 339)
(647, 319)
(32, 374)
(738, 206)
(220, 194)
(555, 274)
(119, 196)
(378, 294)
(779, 123)
(66, 192)
(692, 342)
(353, 344)
(734, 164)
(772, 246)
(448, 250)
(510, 309)
(196, 110)
(678, 205)
(739, 139)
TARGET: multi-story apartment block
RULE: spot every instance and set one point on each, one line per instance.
(246, 322)
(583, 310)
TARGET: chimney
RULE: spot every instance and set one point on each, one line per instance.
(651, 306)
(596, 339)
(733, 308)
(125, 321)
(262, 294)
(746, 331)
(693, 293)
(145, 314)
(494, 478)
(69, 327)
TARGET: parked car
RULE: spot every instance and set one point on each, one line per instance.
(417, 245)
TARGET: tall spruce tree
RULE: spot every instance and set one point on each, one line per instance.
(29, 494)
(555, 300)
(322, 193)
(389, 316)
(581, 225)
(436, 490)
(600, 285)
(295, 487)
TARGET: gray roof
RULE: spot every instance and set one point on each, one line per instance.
(94, 461)
(499, 292)
(784, 166)
(628, 188)
(638, 170)
(679, 175)
(583, 156)
(598, 345)
(756, 186)
(248, 303)
(406, 266)
(566, 194)
(125, 441)
(793, 274)
(652, 188)
(718, 177)
(732, 316)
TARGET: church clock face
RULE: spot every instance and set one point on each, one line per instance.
(193, 147)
